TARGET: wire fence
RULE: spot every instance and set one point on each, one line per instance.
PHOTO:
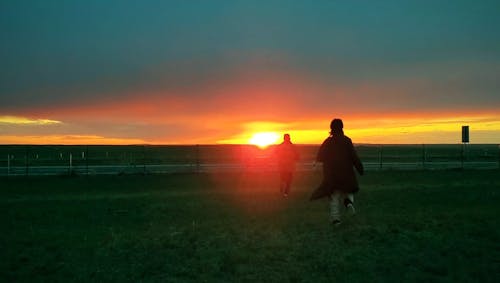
(31, 160)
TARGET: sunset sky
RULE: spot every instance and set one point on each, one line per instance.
(206, 72)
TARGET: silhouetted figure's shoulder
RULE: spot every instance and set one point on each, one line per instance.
(344, 139)
(337, 148)
(337, 139)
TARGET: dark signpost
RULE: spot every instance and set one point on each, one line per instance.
(465, 140)
(465, 134)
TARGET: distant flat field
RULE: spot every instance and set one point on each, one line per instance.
(37, 155)
(143, 159)
(411, 226)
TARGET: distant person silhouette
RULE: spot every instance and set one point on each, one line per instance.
(287, 156)
(339, 183)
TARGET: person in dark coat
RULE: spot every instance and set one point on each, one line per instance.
(287, 156)
(339, 159)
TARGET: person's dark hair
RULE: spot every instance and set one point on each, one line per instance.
(336, 125)
(286, 137)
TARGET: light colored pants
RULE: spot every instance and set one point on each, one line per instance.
(337, 201)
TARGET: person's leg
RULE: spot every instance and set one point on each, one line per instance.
(335, 207)
(348, 199)
(288, 182)
(282, 182)
(349, 203)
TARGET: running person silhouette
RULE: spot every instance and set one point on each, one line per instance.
(287, 156)
(339, 159)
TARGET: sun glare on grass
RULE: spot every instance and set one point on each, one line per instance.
(264, 139)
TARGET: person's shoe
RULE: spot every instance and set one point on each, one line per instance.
(351, 209)
(336, 222)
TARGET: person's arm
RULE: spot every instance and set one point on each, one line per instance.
(296, 153)
(320, 157)
(356, 161)
(277, 154)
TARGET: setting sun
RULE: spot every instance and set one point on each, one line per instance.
(264, 139)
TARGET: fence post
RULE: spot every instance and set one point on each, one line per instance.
(87, 159)
(70, 162)
(380, 157)
(26, 161)
(144, 159)
(197, 158)
(462, 156)
(423, 156)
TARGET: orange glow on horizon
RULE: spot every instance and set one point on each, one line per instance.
(306, 128)
(484, 129)
(385, 130)
(237, 107)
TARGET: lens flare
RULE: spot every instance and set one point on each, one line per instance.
(264, 139)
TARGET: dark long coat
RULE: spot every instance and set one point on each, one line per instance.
(339, 159)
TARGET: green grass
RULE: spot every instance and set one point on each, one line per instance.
(426, 226)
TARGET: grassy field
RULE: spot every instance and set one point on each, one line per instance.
(425, 226)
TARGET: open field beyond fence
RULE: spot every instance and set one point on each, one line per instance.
(411, 226)
(144, 159)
